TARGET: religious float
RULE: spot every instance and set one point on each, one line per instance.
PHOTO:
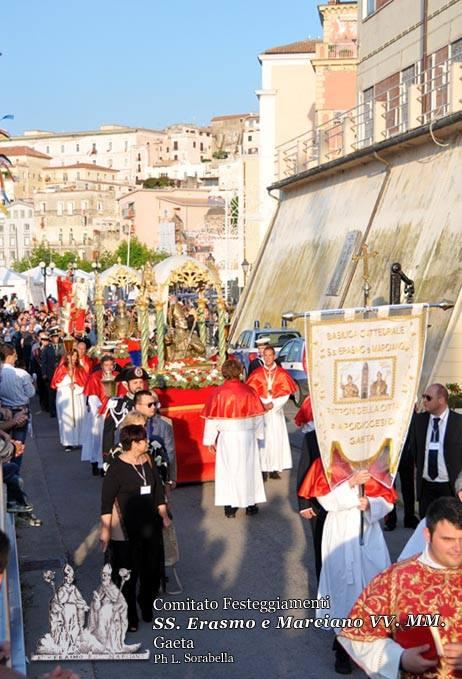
(176, 348)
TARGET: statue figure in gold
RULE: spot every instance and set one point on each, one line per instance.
(123, 326)
(180, 342)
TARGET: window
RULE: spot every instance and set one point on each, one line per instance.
(202, 146)
(62, 148)
(48, 149)
(70, 208)
(65, 178)
(78, 175)
(29, 214)
(26, 241)
(175, 146)
(126, 146)
(1, 241)
(139, 157)
(1, 228)
(194, 146)
(175, 157)
(43, 207)
(71, 236)
(93, 148)
(371, 6)
(12, 241)
(26, 227)
(13, 255)
(456, 50)
(249, 138)
(60, 208)
(22, 214)
(60, 236)
(109, 146)
(13, 228)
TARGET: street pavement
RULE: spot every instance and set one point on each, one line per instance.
(260, 558)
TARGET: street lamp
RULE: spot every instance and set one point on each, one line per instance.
(46, 272)
(72, 266)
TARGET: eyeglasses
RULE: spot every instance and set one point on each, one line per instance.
(427, 397)
(150, 405)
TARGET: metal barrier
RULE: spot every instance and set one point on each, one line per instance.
(417, 100)
(11, 617)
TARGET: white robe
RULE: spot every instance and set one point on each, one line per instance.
(275, 453)
(70, 428)
(92, 445)
(347, 567)
(238, 478)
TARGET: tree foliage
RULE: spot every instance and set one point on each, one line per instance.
(139, 255)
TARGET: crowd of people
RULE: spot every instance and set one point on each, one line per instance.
(108, 411)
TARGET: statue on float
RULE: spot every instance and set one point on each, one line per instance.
(180, 342)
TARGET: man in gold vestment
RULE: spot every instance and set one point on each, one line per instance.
(411, 613)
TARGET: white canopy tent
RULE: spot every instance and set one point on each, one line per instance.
(11, 281)
(36, 277)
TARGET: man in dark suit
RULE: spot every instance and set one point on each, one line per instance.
(435, 440)
(311, 509)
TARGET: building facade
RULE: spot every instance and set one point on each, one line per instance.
(17, 231)
(127, 149)
(287, 109)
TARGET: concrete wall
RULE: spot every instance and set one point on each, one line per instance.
(418, 223)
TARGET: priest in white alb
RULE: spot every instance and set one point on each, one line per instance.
(274, 386)
(233, 427)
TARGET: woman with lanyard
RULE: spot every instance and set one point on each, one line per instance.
(133, 511)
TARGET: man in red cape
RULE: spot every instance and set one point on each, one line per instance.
(97, 399)
(274, 386)
(234, 426)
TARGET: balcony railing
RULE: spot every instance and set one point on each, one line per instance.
(433, 94)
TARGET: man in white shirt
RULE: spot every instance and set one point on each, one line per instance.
(435, 442)
(16, 388)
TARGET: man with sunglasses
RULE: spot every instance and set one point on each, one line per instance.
(435, 442)
(158, 429)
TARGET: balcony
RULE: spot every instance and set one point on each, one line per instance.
(435, 93)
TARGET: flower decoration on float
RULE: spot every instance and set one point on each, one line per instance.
(186, 374)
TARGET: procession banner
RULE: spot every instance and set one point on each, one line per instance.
(364, 371)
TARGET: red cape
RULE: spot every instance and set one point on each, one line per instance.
(315, 484)
(233, 400)
(283, 384)
(80, 376)
(305, 414)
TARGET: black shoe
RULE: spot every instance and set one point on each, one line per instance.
(101, 471)
(52, 414)
(251, 510)
(230, 512)
(94, 469)
(411, 522)
(275, 475)
(133, 627)
(265, 476)
(68, 449)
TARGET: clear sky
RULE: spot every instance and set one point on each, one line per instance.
(76, 64)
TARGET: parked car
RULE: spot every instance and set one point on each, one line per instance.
(293, 359)
(245, 349)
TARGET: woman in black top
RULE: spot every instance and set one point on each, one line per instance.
(133, 511)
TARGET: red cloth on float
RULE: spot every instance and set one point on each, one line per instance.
(282, 385)
(80, 377)
(315, 484)
(305, 414)
(184, 407)
(233, 400)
